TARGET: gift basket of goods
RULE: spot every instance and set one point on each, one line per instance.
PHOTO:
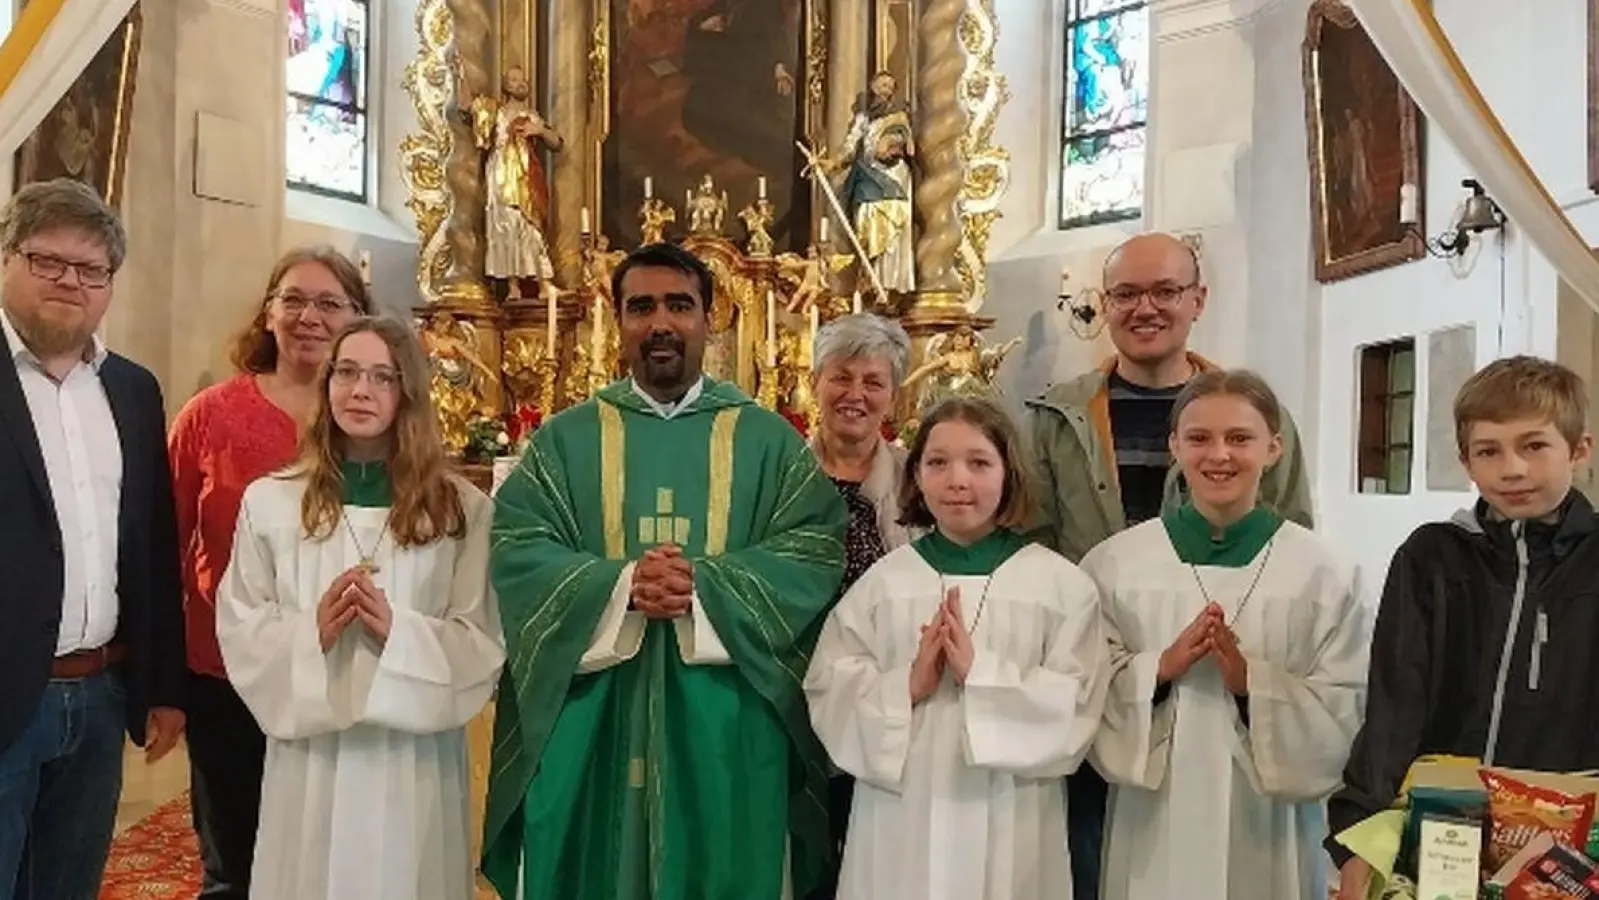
(1462, 831)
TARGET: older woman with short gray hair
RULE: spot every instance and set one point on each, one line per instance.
(860, 361)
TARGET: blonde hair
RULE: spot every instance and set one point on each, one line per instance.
(1240, 383)
(427, 503)
(1522, 387)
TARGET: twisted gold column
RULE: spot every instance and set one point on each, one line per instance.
(940, 123)
(569, 115)
(471, 47)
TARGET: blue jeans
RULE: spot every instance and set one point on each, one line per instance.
(59, 784)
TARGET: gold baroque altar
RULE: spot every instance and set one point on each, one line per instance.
(607, 122)
(548, 345)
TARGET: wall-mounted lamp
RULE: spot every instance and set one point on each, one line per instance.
(1475, 214)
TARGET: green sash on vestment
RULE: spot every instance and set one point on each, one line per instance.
(654, 778)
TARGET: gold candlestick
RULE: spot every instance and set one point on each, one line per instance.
(769, 389)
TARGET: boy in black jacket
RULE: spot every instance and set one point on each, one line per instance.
(1485, 636)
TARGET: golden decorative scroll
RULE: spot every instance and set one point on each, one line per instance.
(984, 92)
(424, 153)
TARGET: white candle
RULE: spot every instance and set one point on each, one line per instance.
(597, 329)
(857, 303)
(688, 199)
(586, 226)
(824, 230)
(1407, 204)
(771, 328)
(649, 187)
(760, 186)
(549, 327)
(1065, 282)
(816, 321)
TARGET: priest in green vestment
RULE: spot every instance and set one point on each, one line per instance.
(664, 556)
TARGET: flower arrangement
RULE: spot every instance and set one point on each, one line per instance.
(520, 424)
(797, 420)
(486, 438)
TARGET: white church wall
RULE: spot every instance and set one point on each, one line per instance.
(1529, 65)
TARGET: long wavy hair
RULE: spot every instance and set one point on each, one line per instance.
(427, 501)
(255, 349)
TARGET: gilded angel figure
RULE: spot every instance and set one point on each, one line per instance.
(811, 275)
(957, 364)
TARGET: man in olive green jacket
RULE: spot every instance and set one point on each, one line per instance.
(1100, 441)
(1072, 442)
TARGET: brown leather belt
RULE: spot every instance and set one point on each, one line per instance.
(87, 663)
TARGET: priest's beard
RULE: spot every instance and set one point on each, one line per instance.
(46, 338)
(663, 363)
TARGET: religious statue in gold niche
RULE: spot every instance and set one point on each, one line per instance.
(459, 376)
(957, 364)
(518, 193)
(706, 207)
(877, 189)
(757, 217)
(811, 278)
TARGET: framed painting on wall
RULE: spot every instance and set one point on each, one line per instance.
(1364, 142)
(85, 135)
(706, 87)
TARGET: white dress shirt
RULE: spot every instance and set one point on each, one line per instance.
(83, 463)
(668, 410)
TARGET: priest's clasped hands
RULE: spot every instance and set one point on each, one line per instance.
(663, 583)
(1207, 636)
(353, 596)
(944, 641)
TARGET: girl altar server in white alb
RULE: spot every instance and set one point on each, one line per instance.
(357, 623)
(1239, 655)
(958, 681)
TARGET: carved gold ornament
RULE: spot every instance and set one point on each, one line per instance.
(425, 153)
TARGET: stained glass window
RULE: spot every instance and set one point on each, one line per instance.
(1106, 111)
(327, 87)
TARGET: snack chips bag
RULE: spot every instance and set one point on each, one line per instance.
(1519, 812)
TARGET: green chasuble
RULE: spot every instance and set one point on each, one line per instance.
(366, 484)
(655, 779)
(981, 558)
(1199, 543)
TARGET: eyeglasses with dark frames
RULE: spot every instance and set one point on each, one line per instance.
(53, 268)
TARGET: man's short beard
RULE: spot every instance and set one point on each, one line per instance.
(664, 375)
(46, 338)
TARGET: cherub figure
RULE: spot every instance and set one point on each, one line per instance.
(811, 275)
(757, 217)
(957, 364)
(653, 217)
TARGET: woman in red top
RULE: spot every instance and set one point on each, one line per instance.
(227, 436)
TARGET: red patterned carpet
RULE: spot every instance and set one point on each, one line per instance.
(156, 859)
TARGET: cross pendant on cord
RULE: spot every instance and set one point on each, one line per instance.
(368, 566)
